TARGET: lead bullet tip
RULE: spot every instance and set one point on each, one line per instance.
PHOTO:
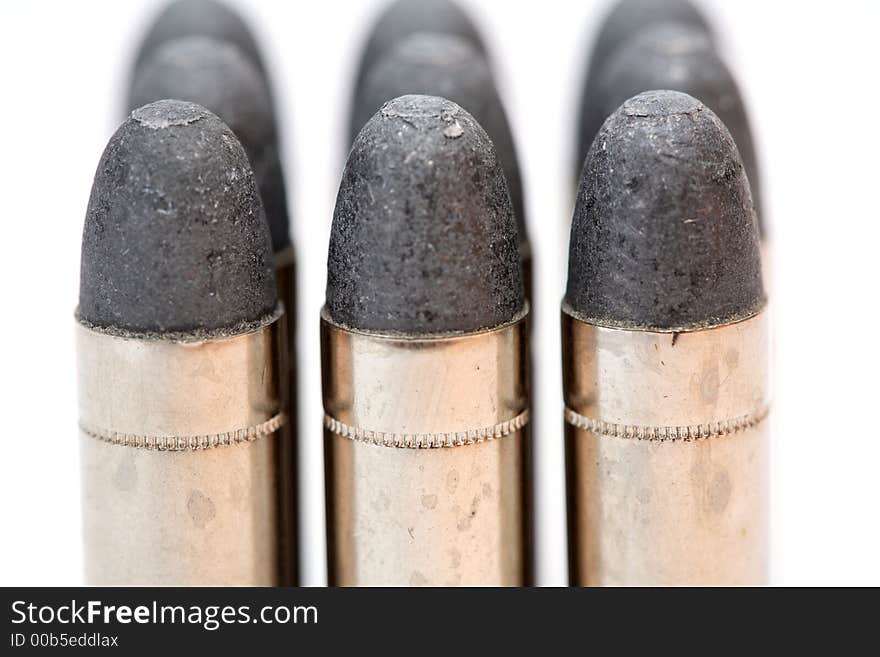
(664, 234)
(175, 239)
(451, 67)
(624, 20)
(218, 76)
(423, 240)
(682, 58)
(403, 18)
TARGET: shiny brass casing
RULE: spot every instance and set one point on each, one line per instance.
(666, 453)
(425, 442)
(180, 448)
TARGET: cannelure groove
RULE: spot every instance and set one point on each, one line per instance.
(672, 433)
(426, 440)
(187, 443)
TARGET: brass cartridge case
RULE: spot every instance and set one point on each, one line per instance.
(666, 454)
(425, 447)
(181, 448)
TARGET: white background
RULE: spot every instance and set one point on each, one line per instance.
(809, 72)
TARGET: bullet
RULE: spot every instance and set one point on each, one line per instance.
(219, 76)
(664, 334)
(625, 19)
(424, 358)
(403, 18)
(180, 341)
(207, 18)
(450, 67)
(682, 58)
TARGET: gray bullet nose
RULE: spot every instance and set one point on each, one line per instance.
(622, 22)
(450, 67)
(664, 234)
(423, 238)
(175, 239)
(401, 19)
(681, 58)
(218, 76)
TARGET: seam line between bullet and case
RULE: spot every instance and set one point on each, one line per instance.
(187, 443)
(678, 433)
(426, 440)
